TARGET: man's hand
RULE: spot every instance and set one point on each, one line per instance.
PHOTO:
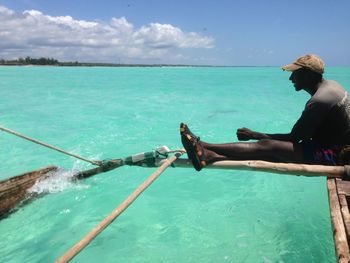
(245, 134)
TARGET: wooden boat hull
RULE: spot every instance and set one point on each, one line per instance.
(339, 196)
(13, 190)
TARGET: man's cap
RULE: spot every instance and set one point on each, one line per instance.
(310, 61)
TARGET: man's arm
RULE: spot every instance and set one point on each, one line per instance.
(245, 134)
(314, 113)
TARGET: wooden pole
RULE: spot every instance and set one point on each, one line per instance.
(109, 219)
(251, 165)
(270, 167)
(112, 164)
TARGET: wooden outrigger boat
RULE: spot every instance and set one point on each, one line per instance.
(13, 191)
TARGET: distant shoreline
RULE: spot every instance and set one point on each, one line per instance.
(128, 65)
(32, 62)
(104, 65)
(28, 61)
(91, 65)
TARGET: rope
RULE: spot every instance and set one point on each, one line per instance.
(99, 163)
(109, 219)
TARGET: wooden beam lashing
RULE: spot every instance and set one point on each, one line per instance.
(339, 232)
(111, 164)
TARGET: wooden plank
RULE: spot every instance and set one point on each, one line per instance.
(339, 233)
(345, 213)
(343, 187)
(13, 190)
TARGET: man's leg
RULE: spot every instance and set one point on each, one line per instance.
(266, 149)
(203, 153)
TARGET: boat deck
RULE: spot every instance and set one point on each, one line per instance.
(339, 197)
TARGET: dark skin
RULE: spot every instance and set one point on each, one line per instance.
(268, 147)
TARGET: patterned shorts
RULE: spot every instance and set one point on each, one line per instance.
(315, 153)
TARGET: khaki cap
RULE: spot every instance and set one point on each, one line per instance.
(310, 61)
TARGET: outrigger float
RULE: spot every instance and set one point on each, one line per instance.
(14, 191)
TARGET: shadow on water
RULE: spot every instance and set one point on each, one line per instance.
(221, 112)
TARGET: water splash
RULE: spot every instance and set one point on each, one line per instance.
(56, 181)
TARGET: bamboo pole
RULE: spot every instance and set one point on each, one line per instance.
(271, 167)
(109, 219)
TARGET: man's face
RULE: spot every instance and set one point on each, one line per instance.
(297, 79)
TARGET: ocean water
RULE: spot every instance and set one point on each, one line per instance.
(185, 216)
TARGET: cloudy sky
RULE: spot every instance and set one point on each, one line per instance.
(232, 32)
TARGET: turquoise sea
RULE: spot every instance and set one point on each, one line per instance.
(185, 216)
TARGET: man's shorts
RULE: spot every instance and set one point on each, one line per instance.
(315, 153)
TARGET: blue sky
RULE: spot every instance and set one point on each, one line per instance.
(236, 32)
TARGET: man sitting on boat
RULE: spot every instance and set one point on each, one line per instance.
(319, 136)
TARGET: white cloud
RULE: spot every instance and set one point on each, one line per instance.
(65, 38)
(163, 36)
(5, 11)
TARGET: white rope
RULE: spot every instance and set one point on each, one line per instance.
(99, 163)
